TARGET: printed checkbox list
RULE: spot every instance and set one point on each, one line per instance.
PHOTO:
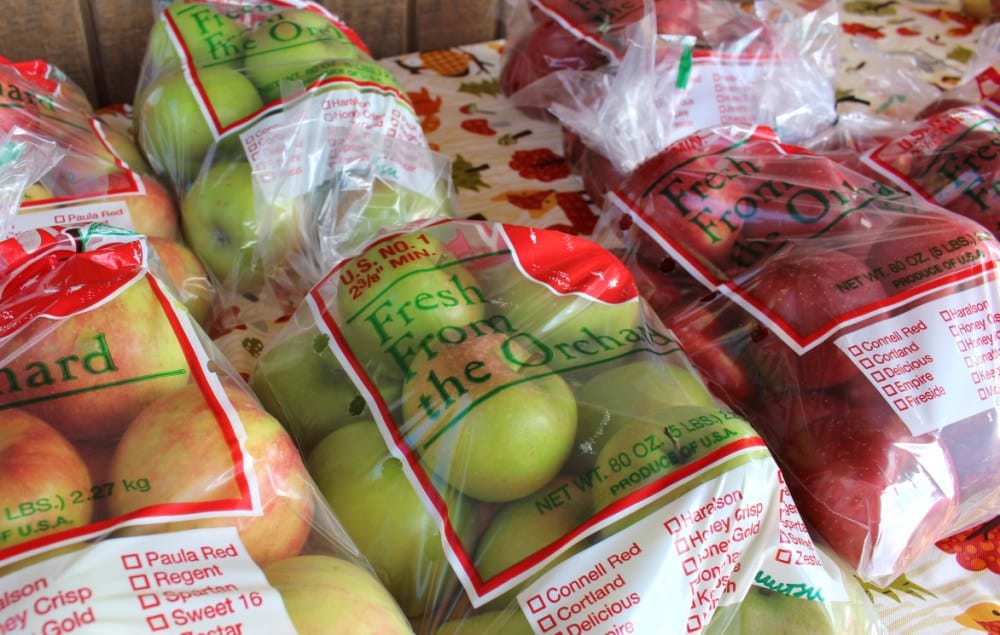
(186, 587)
(598, 599)
(933, 363)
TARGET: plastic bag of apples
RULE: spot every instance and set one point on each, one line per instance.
(97, 173)
(143, 485)
(705, 64)
(518, 445)
(947, 155)
(851, 323)
(253, 112)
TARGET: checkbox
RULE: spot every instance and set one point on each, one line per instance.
(59, 218)
(690, 566)
(889, 390)
(901, 405)
(131, 561)
(945, 316)
(969, 361)
(673, 525)
(878, 376)
(157, 622)
(139, 582)
(854, 349)
(953, 330)
(962, 346)
(149, 600)
(694, 624)
(783, 556)
(983, 394)
(536, 603)
(683, 545)
(546, 624)
(866, 363)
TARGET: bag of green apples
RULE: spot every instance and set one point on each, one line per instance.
(517, 444)
(255, 113)
(850, 322)
(143, 486)
(268, 236)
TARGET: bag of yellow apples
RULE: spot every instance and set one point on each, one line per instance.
(517, 444)
(143, 485)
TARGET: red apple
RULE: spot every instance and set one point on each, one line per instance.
(91, 373)
(690, 199)
(177, 447)
(876, 493)
(805, 289)
(677, 17)
(547, 48)
(44, 484)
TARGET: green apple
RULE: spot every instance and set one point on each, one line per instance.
(510, 621)
(240, 236)
(574, 300)
(295, 45)
(301, 383)
(363, 213)
(487, 419)
(522, 527)
(327, 594)
(370, 494)
(640, 389)
(765, 611)
(404, 296)
(647, 449)
(574, 329)
(172, 130)
(211, 38)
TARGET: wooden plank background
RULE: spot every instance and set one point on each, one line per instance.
(100, 43)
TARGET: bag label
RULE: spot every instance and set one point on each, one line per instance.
(937, 363)
(199, 581)
(726, 533)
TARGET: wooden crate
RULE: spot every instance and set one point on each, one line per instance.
(100, 43)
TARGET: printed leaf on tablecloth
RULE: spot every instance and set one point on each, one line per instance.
(467, 176)
(484, 87)
(977, 548)
(901, 584)
(427, 107)
(540, 164)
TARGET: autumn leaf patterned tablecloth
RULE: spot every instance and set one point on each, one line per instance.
(509, 167)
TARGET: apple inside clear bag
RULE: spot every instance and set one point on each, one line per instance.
(504, 414)
(838, 314)
(139, 465)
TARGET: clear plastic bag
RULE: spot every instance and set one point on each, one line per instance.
(728, 66)
(144, 486)
(515, 442)
(847, 320)
(257, 127)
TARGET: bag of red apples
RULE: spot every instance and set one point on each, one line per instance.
(144, 487)
(518, 445)
(687, 65)
(249, 111)
(850, 323)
